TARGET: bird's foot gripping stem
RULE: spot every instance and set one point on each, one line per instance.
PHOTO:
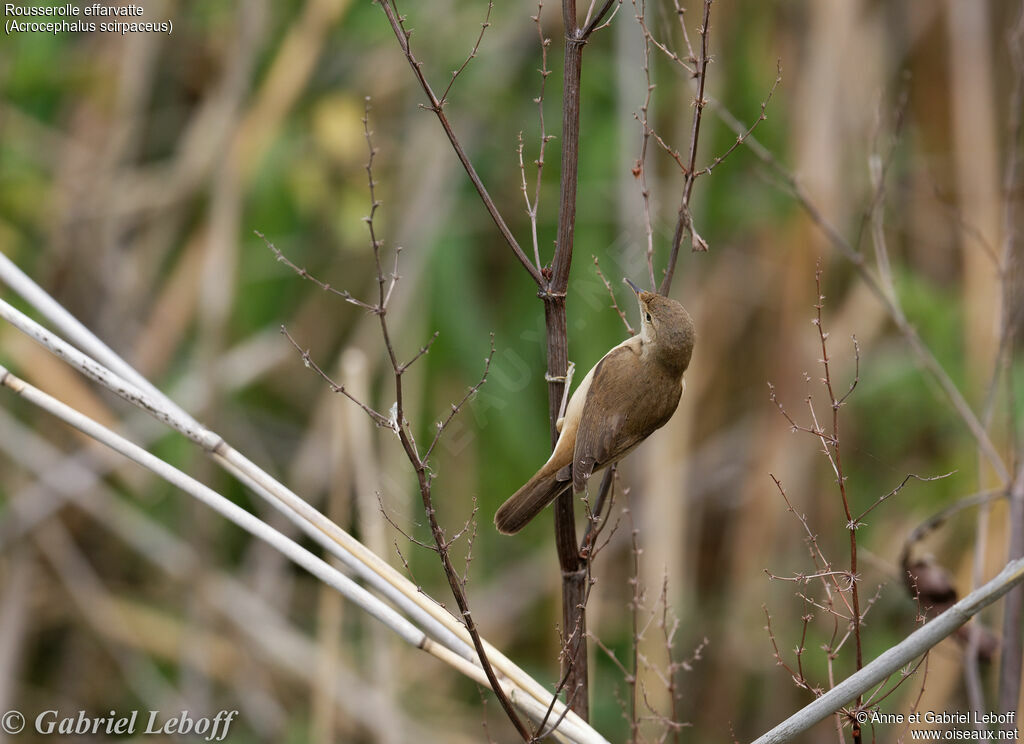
(567, 379)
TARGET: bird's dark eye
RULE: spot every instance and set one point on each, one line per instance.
(648, 317)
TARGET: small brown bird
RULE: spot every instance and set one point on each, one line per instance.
(632, 391)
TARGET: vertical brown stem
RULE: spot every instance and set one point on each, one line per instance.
(570, 158)
(573, 566)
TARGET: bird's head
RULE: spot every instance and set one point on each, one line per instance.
(667, 327)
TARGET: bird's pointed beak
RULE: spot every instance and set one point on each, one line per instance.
(636, 289)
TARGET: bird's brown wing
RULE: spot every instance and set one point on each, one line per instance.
(627, 400)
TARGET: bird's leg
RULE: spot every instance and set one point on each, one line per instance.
(567, 379)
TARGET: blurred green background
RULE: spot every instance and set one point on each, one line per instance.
(134, 171)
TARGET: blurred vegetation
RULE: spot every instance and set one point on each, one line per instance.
(134, 171)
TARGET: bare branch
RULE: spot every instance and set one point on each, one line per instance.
(816, 553)
(816, 430)
(531, 207)
(394, 278)
(640, 169)
(856, 371)
(741, 138)
(684, 224)
(898, 656)
(598, 21)
(889, 302)
(472, 54)
(456, 407)
(611, 293)
(899, 488)
(423, 350)
(835, 457)
(402, 36)
(689, 63)
(671, 151)
(307, 361)
(343, 293)
(681, 16)
(401, 531)
(797, 676)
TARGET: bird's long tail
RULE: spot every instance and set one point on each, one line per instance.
(529, 501)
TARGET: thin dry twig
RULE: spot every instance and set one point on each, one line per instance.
(896, 657)
(669, 150)
(531, 206)
(423, 350)
(741, 138)
(821, 563)
(307, 360)
(684, 223)
(611, 293)
(602, 19)
(640, 169)
(643, 619)
(472, 54)
(649, 40)
(796, 674)
(884, 293)
(635, 603)
(844, 582)
(815, 430)
(833, 452)
(457, 407)
(400, 425)
(912, 476)
(436, 105)
(681, 16)
(343, 293)
(420, 464)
